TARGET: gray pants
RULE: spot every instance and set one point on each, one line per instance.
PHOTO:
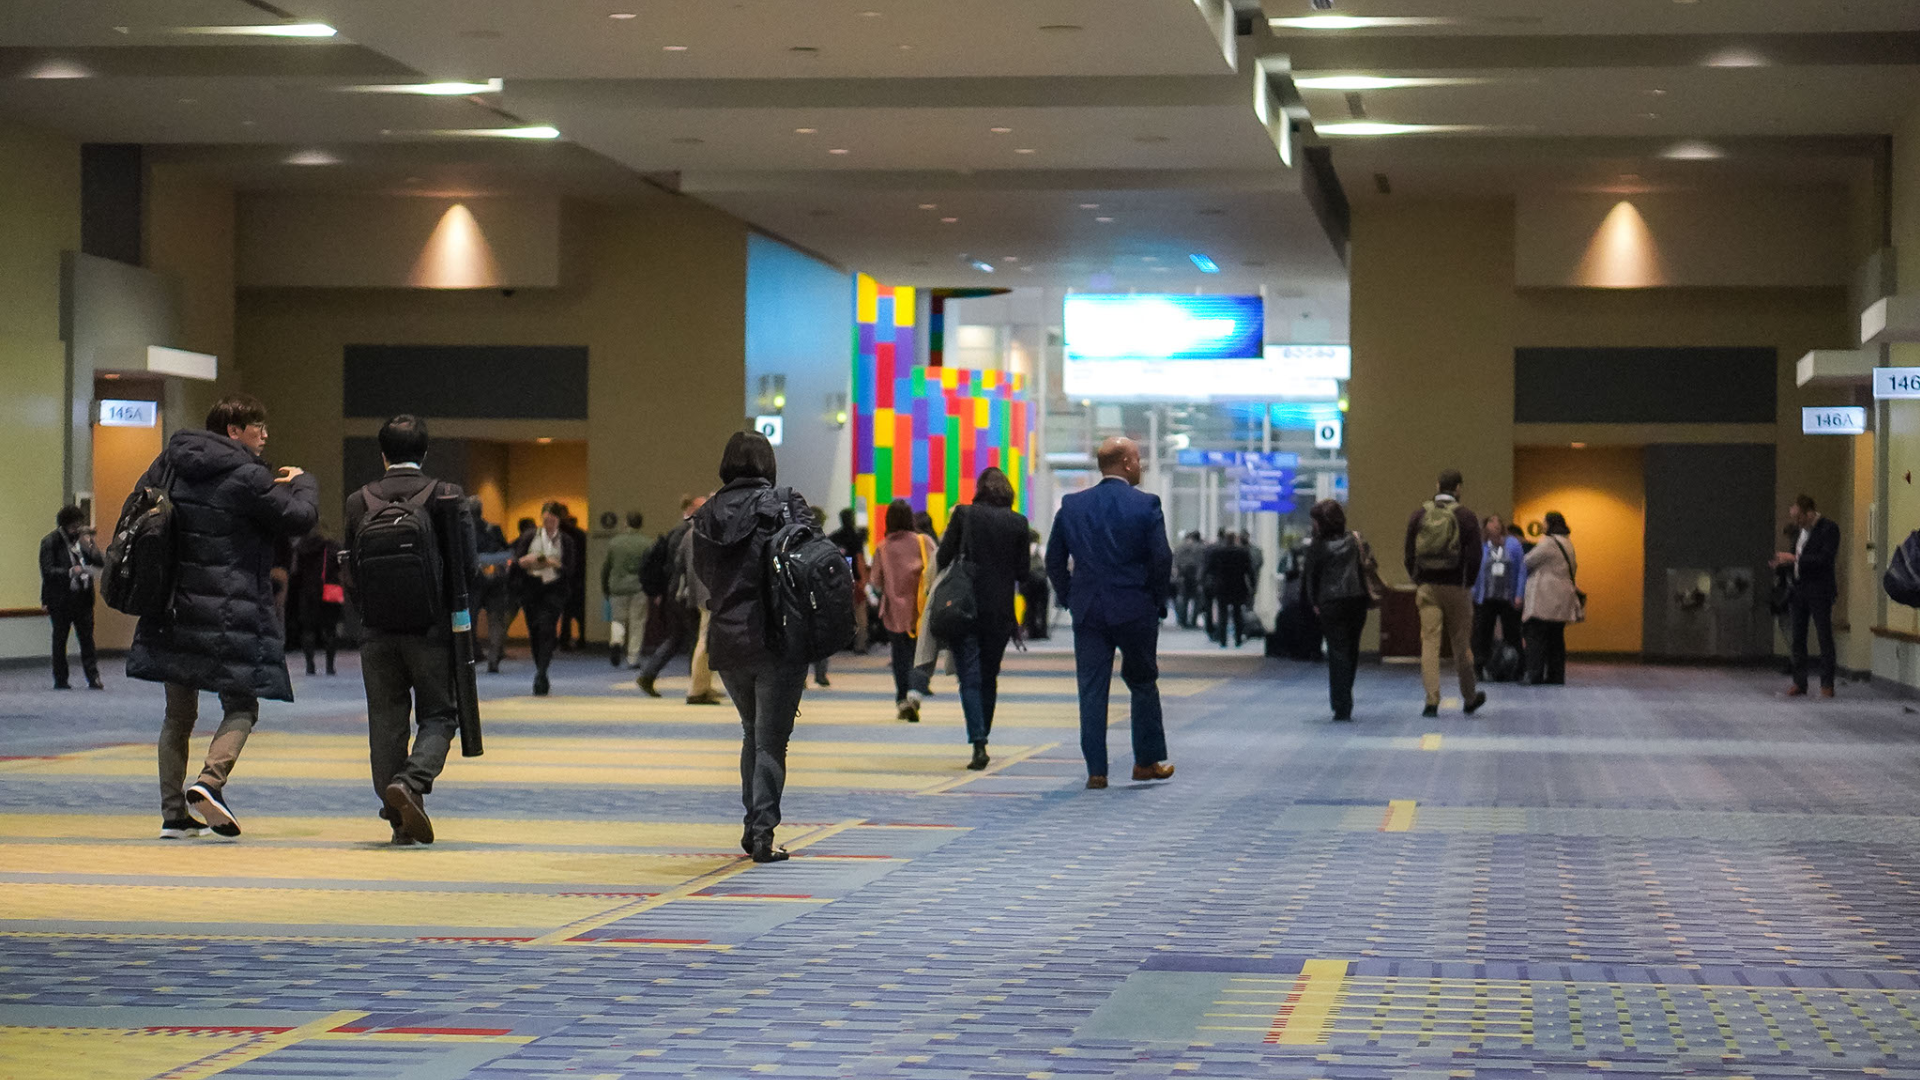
(183, 711)
(409, 677)
(767, 698)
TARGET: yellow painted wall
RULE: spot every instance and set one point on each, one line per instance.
(656, 291)
(1602, 494)
(39, 218)
(487, 481)
(537, 473)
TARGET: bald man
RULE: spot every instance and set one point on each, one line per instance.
(1110, 563)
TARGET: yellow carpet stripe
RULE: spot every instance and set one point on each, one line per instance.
(1430, 741)
(1400, 816)
(1303, 1020)
(1019, 754)
(215, 1064)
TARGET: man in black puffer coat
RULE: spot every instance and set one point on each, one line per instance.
(223, 633)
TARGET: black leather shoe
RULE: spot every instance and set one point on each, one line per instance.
(645, 683)
(541, 686)
(1473, 706)
(980, 758)
(764, 851)
(404, 804)
(1431, 710)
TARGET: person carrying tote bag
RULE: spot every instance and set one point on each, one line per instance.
(1552, 601)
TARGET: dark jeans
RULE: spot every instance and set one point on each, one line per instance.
(573, 615)
(903, 646)
(543, 605)
(1546, 652)
(1039, 598)
(1342, 621)
(497, 598)
(682, 624)
(78, 619)
(976, 663)
(1093, 644)
(1485, 616)
(1187, 601)
(768, 698)
(1228, 611)
(409, 677)
(1820, 610)
(319, 630)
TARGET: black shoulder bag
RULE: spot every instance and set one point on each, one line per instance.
(956, 612)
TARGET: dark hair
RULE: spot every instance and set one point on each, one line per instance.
(748, 456)
(1557, 525)
(846, 517)
(1450, 481)
(526, 523)
(69, 515)
(993, 489)
(923, 522)
(899, 516)
(1329, 518)
(609, 519)
(1805, 503)
(403, 438)
(556, 508)
(634, 519)
(235, 410)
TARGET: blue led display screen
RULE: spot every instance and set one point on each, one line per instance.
(1156, 326)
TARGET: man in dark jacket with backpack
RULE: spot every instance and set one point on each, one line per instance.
(1443, 559)
(406, 658)
(221, 632)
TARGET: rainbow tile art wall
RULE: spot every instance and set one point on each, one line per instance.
(925, 433)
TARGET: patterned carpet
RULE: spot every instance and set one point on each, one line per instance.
(1653, 871)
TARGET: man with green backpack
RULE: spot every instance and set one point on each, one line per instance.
(1443, 559)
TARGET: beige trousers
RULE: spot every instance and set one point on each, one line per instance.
(629, 625)
(702, 684)
(183, 710)
(1445, 610)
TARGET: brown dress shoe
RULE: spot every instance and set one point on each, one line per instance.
(1159, 770)
(1096, 783)
(1826, 691)
(1796, 691)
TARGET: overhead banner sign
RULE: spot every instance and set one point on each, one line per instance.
(1896, 383)
(1833, 420)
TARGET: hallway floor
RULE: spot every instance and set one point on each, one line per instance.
(1652, 871)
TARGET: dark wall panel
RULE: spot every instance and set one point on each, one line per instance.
(111, 181)
(360, 462)
(1709, 507)
(1644, 386)
(489, 382)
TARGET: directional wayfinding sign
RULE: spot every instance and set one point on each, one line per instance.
(1266, 490)
(1327, 435)
(1237, 459)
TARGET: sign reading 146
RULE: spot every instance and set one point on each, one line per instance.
(1892, 383)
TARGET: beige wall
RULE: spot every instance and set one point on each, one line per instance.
(305, 240)
(655, 291)
(1754, 238)
(1436, 317)
(39, 218)
(189, 225)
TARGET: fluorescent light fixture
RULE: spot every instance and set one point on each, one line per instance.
(1205, 264)
(1357, 22)
(59, 69)
(1736, 57)
(1373, 82)
(432, 89)
(541, 132)
(312, 157)
(1693, 150)
(1370, 127)
(981, 265)
(285, 30)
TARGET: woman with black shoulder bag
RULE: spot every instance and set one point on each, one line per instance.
(1553, 600)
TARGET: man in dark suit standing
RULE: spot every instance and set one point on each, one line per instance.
(68, 559)
(408, 672)
(1814, 591)
(1111, 565)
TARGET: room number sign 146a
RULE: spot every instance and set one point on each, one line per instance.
(1833, 420)
(1896, 382)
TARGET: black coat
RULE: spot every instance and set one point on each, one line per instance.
(56, 577)
(998, 548)
(223, 633)
(1814, 580)
(1229, 572)
(730, 535)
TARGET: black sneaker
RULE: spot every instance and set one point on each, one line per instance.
(208, 800)
(980, 758)
(541, 686)
(185, 828)
(645, 683)
(1431, 710)
(1479, 699)
(764, 851)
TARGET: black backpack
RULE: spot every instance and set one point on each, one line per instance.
(1902, 580)
(809, 592)
(138, 578)
(1504, 665)
(396, 564)
(656, 567)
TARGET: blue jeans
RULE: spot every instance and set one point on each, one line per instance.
(976, 662)
(767, 698)
(1094, 641)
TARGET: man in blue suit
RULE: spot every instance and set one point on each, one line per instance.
(1111, 566)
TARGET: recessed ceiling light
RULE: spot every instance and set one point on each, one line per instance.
(1103, 220)
(1736, 57)
(808, 49)
(1372, 82)
(839, 150)
(1356, 22)
(623, 15)
(1657, 92)
(1649, 116)
(905, 48)
(1061, 28)
(1009, 258)
(1693, 150)
(869, 14)
(1369, 127)
(1000, 130)
(432, 89)
(1024, 150)
(285, 30)
(981, 265)
(1089, 206)
(673, 48)
(544, 440)
(59, 69)
(806, 131)
(312, 157)
(929, 206)
(948, 220)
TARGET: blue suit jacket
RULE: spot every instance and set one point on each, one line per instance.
(1122, 566)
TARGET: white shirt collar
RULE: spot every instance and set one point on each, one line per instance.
(403, 465)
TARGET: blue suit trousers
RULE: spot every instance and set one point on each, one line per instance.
(1094, 642)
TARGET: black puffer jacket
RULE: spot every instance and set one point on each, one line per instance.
(223, 633)
(730, 535)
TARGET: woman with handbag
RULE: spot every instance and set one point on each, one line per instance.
(1553, 600)
(1336, 581)
(984, 554)
(902, 575)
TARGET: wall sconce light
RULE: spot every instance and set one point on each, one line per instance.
(772, 396)
(837, 408)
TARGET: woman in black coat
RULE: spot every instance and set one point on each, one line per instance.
(994, 539)
(1333, 584)
(314, 596)
(730, 535)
